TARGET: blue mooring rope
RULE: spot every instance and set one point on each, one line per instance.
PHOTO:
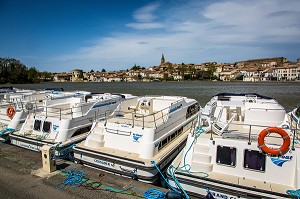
(9, 130)
(76, 178)
(154, 194)
(294, 193)
(65, 153)
(185, 167)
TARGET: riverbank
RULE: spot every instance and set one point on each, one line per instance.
(21, 177)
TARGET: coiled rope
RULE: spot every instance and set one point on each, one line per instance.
(76, 178)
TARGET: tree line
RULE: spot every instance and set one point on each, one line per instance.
(14, 72)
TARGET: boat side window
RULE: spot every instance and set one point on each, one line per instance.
(46, 126)
(37, 125)
(168, 139)
(226, 155)
(298, 112)
(192, 110)
(254, 160)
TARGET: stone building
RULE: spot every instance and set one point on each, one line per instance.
(263, 62)
(77, 75)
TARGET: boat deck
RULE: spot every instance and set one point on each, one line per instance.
(149, 121)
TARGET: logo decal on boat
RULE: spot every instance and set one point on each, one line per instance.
(175, 108)
(55, 127)
(280, 160)
(104, 162)
(157, 144)
(129, 170)
(136, 137)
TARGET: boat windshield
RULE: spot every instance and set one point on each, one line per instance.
(297, 112)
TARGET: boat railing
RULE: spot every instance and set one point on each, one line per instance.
(140, 119)
(252, 133)
(20, 106)
(61, 113)
(294, 127)
(267, 109)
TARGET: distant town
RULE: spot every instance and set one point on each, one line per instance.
(253, 70)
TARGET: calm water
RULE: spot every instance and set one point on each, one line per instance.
(286, 93)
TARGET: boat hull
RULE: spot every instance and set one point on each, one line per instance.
(126, 167)
(198, 187)
(36, 145)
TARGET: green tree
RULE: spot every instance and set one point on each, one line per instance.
(45, 76)
(135, 67)
(13, 71)
(211, 70)
(33, 75)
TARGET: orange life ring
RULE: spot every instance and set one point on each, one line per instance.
(274, 151)
(10, 112)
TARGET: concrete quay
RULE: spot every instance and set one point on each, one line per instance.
(21, 177)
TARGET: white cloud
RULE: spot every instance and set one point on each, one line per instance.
(150, 25)
(145, 17)
(226, 31)
(146, 13)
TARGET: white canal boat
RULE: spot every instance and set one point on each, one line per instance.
(141, 134)
(15, 106)
(244, 148)
(64, 120)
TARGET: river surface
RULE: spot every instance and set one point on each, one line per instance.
(286, 93)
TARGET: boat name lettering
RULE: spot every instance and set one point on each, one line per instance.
(281, 159)
(125, 126)
(136, 137)
(221, 195)
(286, 157)
(128, 170)
(104, 162)
(28, 146)
(175, 108)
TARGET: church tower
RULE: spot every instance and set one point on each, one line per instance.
(162, 61)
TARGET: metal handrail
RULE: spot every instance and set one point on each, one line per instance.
(141, 117)
(250, 131)
(69, 111)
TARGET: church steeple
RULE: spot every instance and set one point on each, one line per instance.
(162, 61)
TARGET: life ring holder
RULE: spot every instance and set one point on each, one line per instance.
(274, 151)
(10, 112)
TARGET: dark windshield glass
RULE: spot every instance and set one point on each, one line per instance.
(37, 125)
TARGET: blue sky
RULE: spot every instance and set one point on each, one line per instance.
(60, 35)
